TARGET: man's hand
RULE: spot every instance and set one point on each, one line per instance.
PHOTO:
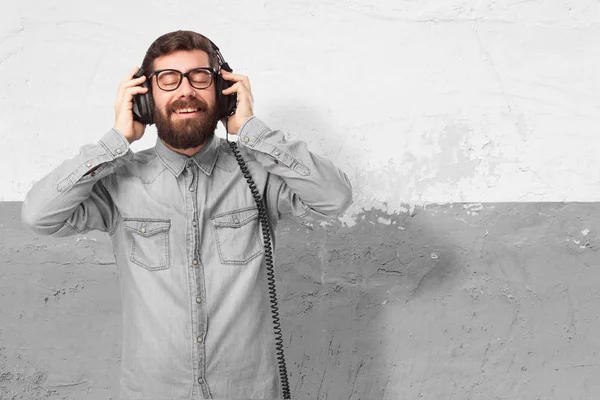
(124, 123)
(245, 101)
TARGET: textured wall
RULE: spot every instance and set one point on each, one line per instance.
(459, 302)
(452, 276)
(429, 101)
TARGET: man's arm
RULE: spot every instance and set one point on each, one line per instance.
(302, 184)
(72, 198)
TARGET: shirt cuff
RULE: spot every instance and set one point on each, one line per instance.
(255, 135)
(251, 131)
(115, 143)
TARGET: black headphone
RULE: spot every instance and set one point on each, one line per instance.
(143, 105)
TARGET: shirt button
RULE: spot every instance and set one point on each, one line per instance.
(246, 139)
(143, 230)
(191, 189)
(88, 164)
(277, 153)
(199, 339)
(198, 300)
(236, 221)
(195, 262)
(194, 222)
(200, 380)
(118, 151)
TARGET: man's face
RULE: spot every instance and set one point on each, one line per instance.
(175, 124)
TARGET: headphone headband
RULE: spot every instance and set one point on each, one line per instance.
(222, 61)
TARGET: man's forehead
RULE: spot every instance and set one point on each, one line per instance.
(183, 58)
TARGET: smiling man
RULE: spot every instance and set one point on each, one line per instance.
(184, 225)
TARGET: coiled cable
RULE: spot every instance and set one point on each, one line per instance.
(270, 272)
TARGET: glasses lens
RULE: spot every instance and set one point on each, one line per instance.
(200, 78)
(168, 80)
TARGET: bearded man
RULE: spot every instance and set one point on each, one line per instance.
(184, 226)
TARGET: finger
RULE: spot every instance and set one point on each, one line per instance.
(236, 87)
(129, 82)
(132, 73)
(244, 96)
(133, 82)
(129, 93)
(230, 76)
(246, 82)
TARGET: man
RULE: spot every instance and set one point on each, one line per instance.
(184, 225)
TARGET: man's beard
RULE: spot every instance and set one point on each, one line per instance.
(189, 132)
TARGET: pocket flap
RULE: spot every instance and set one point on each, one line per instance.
(146, 227)
(235, 219)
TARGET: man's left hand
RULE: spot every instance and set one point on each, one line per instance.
(245, 101)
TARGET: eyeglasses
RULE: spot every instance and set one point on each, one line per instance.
(170, 79)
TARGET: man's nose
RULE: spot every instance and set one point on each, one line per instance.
(186, 89)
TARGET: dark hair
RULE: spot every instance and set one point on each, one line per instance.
(175, 41)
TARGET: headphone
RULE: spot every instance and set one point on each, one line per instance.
(143, 104)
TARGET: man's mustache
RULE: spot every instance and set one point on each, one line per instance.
(189, 103)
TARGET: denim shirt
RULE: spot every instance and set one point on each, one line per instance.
(188, 247)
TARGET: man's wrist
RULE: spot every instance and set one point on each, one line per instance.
(124, 137)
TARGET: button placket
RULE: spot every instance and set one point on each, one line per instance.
(198, 329)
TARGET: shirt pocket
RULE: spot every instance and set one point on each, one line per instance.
(149, 242)
(237, 235)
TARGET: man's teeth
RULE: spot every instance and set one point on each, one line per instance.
(186, 110)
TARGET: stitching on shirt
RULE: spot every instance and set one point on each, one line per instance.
(165, 225)
(65, 184)
(166, 164)
(261, 134)
(162, 229)
(216, 228)
(75, 228)
(298, 168)
(236, 262)
(107, 150)
(140, 263)
(114, 229)
(141, 178)
(304, 214)
(235, 212)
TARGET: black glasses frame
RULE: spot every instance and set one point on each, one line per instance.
(183, 75)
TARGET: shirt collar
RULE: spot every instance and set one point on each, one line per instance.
(175, 162)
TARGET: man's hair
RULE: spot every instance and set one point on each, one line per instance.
(175, 41)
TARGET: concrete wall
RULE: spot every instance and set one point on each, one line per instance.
(467, 265)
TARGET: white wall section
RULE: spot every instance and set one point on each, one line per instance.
(419, 102)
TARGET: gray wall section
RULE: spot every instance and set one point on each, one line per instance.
(449, 301)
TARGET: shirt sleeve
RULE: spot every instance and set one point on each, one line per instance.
(72, 198)
(299, 183)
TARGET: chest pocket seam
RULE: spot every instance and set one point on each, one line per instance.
(228, 226)
(149, 242)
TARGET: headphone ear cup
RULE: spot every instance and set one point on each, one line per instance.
(226, 103)
(143, 106)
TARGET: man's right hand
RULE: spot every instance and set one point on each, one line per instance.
(124, 123)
